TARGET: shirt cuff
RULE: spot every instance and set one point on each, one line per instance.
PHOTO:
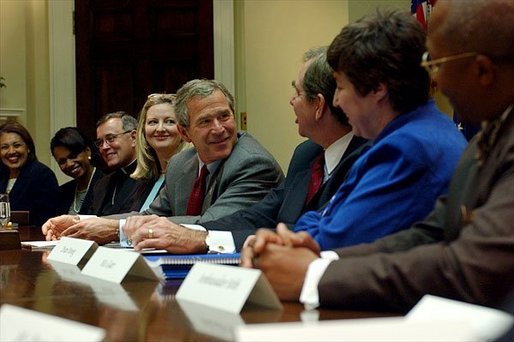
(310, 295)
(217, 241)
(85, 217)
(124, 242)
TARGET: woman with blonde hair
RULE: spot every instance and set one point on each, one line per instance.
(157, 141)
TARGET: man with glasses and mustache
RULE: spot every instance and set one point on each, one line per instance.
(464, 249)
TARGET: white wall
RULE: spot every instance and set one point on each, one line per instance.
(271, 37)
(13, 57)
(265, 43)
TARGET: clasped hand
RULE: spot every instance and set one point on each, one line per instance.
(283, 256)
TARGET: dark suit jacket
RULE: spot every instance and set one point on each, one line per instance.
(244, 178)
(36, 190)
(67, 194)
(463, 250)
(287, 202)
(130, 194)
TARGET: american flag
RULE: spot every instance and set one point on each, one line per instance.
(421, 9)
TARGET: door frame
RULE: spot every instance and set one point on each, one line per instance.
(62, 57)
(63, 108)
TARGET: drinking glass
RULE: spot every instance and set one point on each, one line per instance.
(5, 210)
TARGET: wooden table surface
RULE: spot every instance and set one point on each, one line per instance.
(137, 310)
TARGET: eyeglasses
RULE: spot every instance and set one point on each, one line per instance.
(297, 92)
(432, 66)
(109, 138)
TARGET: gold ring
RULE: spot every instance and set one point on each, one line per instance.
(150, 233)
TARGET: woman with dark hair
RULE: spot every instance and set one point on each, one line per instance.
(77, 158)
(30, 184)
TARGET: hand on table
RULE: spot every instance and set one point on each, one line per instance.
(53, 228)
(98, 229)
(160, 233)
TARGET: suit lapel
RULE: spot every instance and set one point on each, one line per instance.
(295, 200)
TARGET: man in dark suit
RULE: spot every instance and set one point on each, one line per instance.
(330, 138)
(464, 249)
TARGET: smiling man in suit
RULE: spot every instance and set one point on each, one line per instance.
(331, 146)
(224, 172)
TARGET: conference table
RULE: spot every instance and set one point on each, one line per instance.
(136, 309)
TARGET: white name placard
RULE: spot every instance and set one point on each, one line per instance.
(114, 265)
(72, 251)
(488, 324)
(227, 288)
(19, 324)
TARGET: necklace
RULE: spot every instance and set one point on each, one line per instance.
(78, 199)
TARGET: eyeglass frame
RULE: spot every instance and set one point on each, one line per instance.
(109, 138)
(432, 66)
(298, 93)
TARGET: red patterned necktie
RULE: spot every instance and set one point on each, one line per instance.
(195, 202)
(317, 170)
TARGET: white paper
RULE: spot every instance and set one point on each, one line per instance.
(486, 323)
(40, 244)
(19, 324)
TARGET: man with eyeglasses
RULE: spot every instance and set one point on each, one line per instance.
(116, 140)
(464, 249)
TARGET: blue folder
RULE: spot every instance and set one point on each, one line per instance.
(176, 266)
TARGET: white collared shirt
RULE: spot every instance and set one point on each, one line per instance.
(334, 153)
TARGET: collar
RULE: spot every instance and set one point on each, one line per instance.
(127, 170)
(335, 152)
(212, 167)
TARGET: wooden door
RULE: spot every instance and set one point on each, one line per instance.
(127, 49)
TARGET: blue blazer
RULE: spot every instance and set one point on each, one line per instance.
(393, 184)
(287, 202)
(36, 190)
